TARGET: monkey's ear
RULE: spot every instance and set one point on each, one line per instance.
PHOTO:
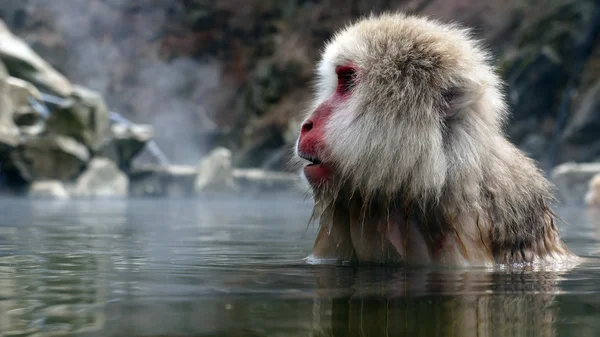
(455, 100)
(450, 106)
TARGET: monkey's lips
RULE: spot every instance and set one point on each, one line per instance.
(316, 172)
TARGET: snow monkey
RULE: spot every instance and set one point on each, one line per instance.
(407, 159)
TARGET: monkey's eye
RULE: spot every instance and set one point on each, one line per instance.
(346, 79)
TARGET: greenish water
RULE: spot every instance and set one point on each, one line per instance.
(234, 267)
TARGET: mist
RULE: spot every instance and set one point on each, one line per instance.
(113, 47)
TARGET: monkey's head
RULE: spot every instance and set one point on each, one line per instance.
(403, 105)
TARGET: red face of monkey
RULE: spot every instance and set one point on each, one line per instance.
(311, 144)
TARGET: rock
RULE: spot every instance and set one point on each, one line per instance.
(126, 143)
(538, 68)
(215, 172)
(592, 197)
(9, 138)
(101, 179)
(84, 117)
(164, 181)
(17, 116)
(22, 62)
(50, 157)
(21, 91)
(255, 180)
(9, 133)
(179, 181)
(572, 180)
(28, 119)
(48, 189)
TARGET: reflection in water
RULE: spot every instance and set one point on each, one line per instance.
(438, 303)
(49, 273)
(233, 268)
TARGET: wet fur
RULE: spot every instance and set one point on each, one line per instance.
(400, 162)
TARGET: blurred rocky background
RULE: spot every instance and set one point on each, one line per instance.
(180, 97)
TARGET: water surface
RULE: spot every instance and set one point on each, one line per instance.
(233, 267)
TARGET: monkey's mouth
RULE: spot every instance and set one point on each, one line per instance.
(313, 160)
(315, 172)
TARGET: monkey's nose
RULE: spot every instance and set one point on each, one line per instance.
(306, 126)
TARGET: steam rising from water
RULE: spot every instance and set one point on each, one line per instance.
(113, 49)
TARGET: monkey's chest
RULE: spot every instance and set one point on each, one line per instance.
(389, 238)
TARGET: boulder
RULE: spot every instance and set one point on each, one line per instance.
(9, 133)
(572, 180)
(592, 197)
(21, 91)
(180, 180)
(24, 115)
(22, 62)
(214, 172)
(162, 181)
(126, 143)
(50, 157)
(48, 189)
(101, 179)
(84, 116)
(256, 180)
(9, 138)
